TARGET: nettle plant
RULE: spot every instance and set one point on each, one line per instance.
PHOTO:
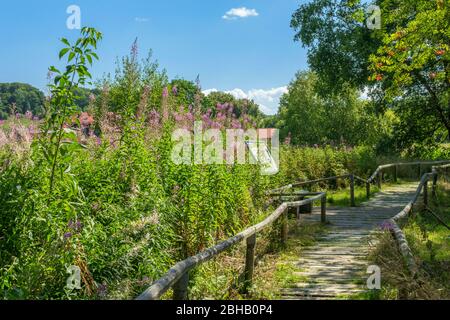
(63, 141)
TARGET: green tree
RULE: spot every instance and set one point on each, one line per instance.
(82, 97)
(404, 65)
(24, 96)
(241, 106)
(413, 63)
(185, 91)
(338, 41)
(313, 119)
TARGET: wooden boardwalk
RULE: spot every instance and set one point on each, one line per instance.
(336, 266)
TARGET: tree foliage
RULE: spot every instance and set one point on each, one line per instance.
(241, 106)
(22, 98)
(414, 60)
(309, 118)
(338, 42)
(404, 65)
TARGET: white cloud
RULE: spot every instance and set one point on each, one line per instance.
(141, 20)
(238, 93)
(208, 91)
(243, 12)
(268, 100)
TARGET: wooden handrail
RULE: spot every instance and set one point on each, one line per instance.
(443, 167)
(178, 275)
(279, 192)
(304, 183)
(397, 232)
(377, 174)
(360, 179)
(295, 194)
(369, 180)
(403, 164)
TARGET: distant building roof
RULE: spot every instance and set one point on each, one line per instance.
(266, 133)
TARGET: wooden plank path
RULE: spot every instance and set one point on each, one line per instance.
(336, 262)
(336, 266)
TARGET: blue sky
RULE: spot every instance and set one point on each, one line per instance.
(249, 52)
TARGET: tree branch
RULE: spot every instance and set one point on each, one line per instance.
(435, 98)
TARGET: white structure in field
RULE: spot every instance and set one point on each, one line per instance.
(214, 146)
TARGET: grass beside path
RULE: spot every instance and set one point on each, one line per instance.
(429, 241)
(341, 197)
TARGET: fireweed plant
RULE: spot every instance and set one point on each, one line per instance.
(113, 203)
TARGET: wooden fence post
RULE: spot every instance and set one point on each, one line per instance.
(180, 289)
(434, 186)
(249, 262)
(368, 190)
(284, 227)
(323, 209)
(425, 193)
(379, 180)
(396, 173)
(352, 191)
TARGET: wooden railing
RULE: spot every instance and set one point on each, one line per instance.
(378, 175)
(438, 167)
(178, 276)
(394, 223)
(351, 177)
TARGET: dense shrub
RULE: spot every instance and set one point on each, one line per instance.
(111, 201)
(302, 163)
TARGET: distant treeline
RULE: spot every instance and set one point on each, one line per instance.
(21, 97)
(18, 98)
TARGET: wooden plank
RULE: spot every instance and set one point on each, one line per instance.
(327, 287)
(331, 263)
(337, 260)
(337, 253)
(320, 291)
(330, 280)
